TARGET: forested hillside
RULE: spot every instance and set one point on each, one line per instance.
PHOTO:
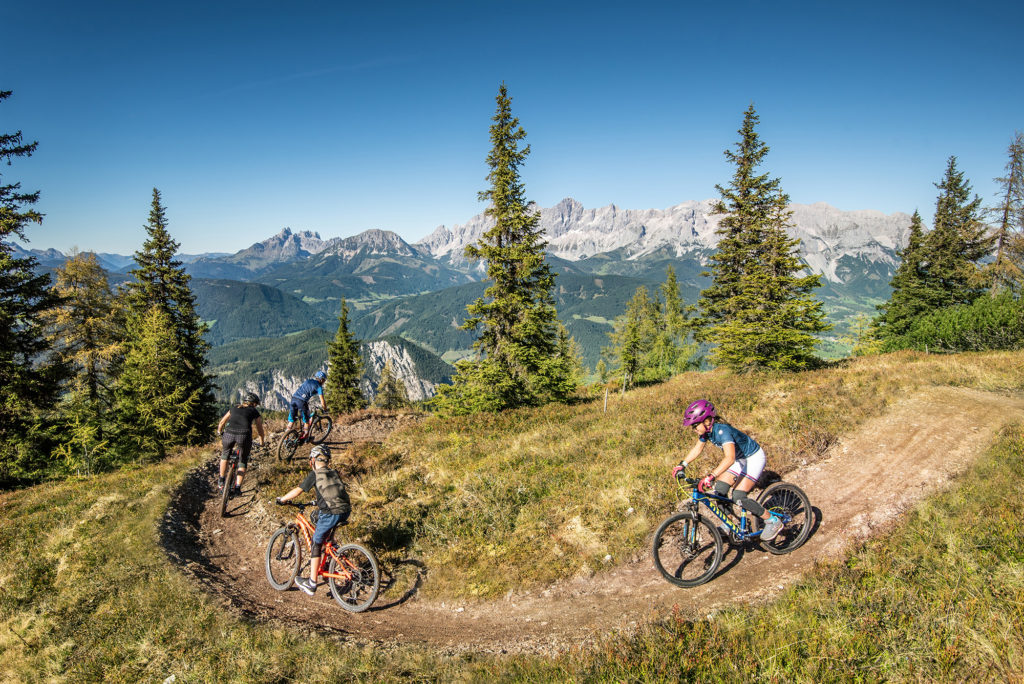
(235, 310)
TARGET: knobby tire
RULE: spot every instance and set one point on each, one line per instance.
(358, 593)
(229, 482)
(288, 445)
(687, 549)
(320, 428)
(283, 557)
(783, 497)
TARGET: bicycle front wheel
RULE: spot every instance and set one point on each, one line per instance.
(229, 482)
(282, 560)
(356, 587)
(788, 499)
(319, 429)
(288, 445)
(687, 549)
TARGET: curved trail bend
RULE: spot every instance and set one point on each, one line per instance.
(939, 431)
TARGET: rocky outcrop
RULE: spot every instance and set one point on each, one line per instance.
(275, 388)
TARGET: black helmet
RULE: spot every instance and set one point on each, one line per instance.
(251, 398)
(320, 453)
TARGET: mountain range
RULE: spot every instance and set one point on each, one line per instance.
(294, 281)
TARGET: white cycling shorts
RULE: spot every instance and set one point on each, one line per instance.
(750, 467)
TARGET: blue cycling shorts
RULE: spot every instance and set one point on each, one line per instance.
(298, 408)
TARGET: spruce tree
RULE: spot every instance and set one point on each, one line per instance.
(156, 407)
(86, 330)
(29, 380)
(745, 206)
(517, 356)
(162, 283)
(633, 335)
(344, 369)
(908, 300)
(391, 393)
(759, 311)
(1006, 272)
(956, 245)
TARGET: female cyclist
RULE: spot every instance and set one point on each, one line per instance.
(235, 429)
(742, 464)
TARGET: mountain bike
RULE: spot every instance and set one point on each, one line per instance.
(352, 572)
(320, 425)
(688, 545)
(229, 474)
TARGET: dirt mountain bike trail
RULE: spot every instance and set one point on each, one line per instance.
(863, 485)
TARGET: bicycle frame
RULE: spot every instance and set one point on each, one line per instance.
(307, 529)
(712, 500)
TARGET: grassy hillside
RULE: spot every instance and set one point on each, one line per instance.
(578, 484)
(87, 594)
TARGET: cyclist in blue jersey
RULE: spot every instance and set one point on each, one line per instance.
(739, 469)
(299, 408)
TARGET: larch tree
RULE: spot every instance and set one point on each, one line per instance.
(344, 368)
(29, 378)
(759, 311)
(160, 282)
(1006, 271)
(86, 330)
(517, 361)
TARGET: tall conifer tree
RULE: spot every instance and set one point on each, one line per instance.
(344, 368)
(161, 282)
(956, 246)
(518, 361)
(759, 311)
(28, 380)
(908, 300)
(1007, 269)
(156, 407)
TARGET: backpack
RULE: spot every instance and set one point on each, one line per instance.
(332, 491)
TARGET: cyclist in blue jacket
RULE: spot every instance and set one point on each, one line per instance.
(299, 408)
(740, 468)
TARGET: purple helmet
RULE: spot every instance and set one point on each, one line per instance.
(698, 411)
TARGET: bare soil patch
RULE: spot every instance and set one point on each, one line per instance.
(864, 485)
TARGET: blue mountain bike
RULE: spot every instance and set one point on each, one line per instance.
(688, 545)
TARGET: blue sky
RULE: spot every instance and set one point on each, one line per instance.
(338, 118)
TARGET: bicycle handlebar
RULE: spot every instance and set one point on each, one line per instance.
(300, 506)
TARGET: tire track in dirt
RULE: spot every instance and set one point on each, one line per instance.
(863, 485)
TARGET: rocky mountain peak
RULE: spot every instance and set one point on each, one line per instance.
(573, 232)
(374, 241)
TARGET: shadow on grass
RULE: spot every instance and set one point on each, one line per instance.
(405, 576)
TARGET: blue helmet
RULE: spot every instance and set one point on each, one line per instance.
(320, 375)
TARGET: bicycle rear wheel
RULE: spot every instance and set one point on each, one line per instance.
(288, 445)
(687, 549)
(229, 482)
(788, 499)
(320, 428)
(283, 557)
(357, 589)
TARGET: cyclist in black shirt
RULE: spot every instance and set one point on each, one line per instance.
(235, 429)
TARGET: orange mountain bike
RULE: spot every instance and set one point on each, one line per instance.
(351, 570)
